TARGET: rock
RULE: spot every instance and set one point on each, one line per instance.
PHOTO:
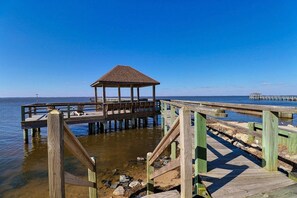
(245, 138)
(114, 185)
(289, 125)
(143, 184)
(134, 184)
(294, 157)
(107, 183)
(119, 191)
(124, 178)
(257, 141)
(115, 172)
(254, 145)
(157, 165)
(287, 156)
(140, 159)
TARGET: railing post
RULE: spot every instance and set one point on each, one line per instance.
(200, 150)
(173, 144)
(92, 177)
(270, 141)
(68, 111)
(185, 153)
(292, 143)
(150, 170)
(23, 116)
(162, 115)
(251, 126)
(55, 144)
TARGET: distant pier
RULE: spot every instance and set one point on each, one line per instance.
(259, 96)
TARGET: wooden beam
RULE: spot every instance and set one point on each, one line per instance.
(96, 95)
(154, 93)
(185, 153)
(75, 147)
(150, 170)
(55, 143)
(138, 94)
(131, 93)
(92, 177)
(166, 141)
(270, 140)
(251, 107)
(119, 93)
(77, 181)
(173, 144)
(170, 166)
(200, 149)
(103, 94)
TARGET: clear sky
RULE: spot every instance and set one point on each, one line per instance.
(230, 47)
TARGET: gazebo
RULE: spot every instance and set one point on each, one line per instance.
(124, 77)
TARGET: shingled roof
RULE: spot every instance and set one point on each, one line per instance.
(125, 76)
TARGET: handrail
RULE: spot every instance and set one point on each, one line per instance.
(58, 135)
(211, 111)
(252, 107)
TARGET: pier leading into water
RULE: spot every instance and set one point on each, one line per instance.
(259, 96)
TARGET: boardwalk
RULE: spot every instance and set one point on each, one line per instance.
(234, 173)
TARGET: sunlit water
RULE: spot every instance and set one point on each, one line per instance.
(23, 165)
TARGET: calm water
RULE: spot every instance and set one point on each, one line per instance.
(24, 165)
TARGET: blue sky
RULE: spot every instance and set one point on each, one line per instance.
(58, 48)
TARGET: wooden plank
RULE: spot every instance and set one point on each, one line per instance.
(77, 181)
(270, 141)
(166, 141)
(292, 143)
(200, 147)
(75, 147)
(167, 194)
(284, 192)
(210, 111)
(149, 180)
(244, 106)
(55, 145)
(173, 144)
(170, 166)
(92, 177)
(185, 153)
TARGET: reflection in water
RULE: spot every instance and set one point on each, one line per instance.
(112, 151)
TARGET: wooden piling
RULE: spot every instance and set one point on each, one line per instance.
(56, 154)
(92, 177)
(270, 140)
(150, 170)
(26, 136)
(173, 144)
(185, 153)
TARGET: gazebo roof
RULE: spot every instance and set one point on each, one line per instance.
(124, 76)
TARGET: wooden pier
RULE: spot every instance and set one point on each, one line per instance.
(221, 169)
(258, 96)
(101, 114)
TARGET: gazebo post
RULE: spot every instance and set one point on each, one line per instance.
(155, 122)
(96, 98)
(119, 93)
(132, 99)
(103, 94)
(138, 96)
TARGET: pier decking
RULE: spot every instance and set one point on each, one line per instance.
(221, 169)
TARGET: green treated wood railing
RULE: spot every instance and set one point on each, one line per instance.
(176, 122)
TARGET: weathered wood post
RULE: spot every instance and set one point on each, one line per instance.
(200, 150)
(185, 153)
(173, 144)
(270, 140)
(55, 144)
(162, 115)
(292, 143)
(92, 177)
(150, 170)
(251, 126)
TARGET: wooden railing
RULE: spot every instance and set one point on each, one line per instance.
(180, 127)
(42, 109)
(59, 135)
(27, 111)
(177, 119)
